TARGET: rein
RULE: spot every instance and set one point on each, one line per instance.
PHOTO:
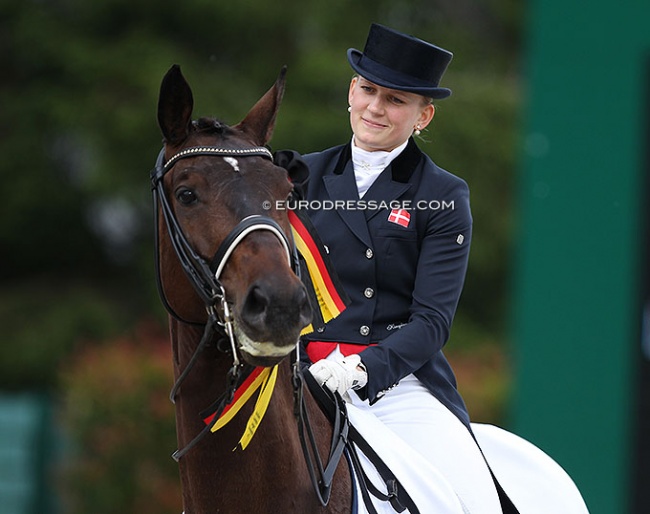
(204, 277)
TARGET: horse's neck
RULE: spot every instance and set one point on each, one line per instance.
(270, 471)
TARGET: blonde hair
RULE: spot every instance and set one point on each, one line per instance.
(426, 100)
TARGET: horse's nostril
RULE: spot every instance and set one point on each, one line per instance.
(270, 314)
(256, 303)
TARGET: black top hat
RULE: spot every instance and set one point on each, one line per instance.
(397, 61)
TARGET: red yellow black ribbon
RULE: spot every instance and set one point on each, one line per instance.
(331, 300)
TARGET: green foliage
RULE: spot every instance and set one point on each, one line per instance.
(117, 414)
(473, 136)
(44, 323)
(79, 133)
(482, 368)
(78, 136)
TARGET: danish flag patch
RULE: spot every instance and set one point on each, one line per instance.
(400, 217)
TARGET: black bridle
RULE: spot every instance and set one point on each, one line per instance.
(204, 277)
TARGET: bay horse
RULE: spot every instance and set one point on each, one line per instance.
(224, 261)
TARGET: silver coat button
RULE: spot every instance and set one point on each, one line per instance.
(369, 292)
(364, 330)
(369, 253)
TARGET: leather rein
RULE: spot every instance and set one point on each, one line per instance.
(204, 277)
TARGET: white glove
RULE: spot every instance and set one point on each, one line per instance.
(339, 376)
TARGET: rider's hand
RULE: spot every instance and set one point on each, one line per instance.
(339, 376)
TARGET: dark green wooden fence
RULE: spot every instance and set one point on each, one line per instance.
(580, 244)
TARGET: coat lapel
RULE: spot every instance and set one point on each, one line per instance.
(393, 182)
(343, 187)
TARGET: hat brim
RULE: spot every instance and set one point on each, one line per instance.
(377, 73)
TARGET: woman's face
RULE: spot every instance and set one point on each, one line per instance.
(382, 118)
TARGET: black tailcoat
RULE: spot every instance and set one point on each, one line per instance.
(404, 282)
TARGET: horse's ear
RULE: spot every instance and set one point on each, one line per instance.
(260, 120)
(175, 105)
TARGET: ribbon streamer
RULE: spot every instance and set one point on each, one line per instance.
(260, 378)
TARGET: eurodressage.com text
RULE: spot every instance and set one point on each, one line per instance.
(360, 205)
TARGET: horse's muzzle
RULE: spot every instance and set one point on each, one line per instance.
(270, 319)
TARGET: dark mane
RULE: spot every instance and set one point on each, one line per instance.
(212, 126)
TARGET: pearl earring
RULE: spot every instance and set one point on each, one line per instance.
(417, 131)
(350, 108)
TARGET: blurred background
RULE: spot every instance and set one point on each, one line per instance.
(548, 123)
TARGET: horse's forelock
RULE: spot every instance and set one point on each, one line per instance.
(212, 126)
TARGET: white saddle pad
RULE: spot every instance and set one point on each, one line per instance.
(534, 482)
(429, 490)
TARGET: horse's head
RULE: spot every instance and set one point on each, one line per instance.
(208, 193)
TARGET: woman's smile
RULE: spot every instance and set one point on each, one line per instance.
(373, 124)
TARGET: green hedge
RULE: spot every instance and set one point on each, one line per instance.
(121, 425)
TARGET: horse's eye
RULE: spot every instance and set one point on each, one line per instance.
(186, 196)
